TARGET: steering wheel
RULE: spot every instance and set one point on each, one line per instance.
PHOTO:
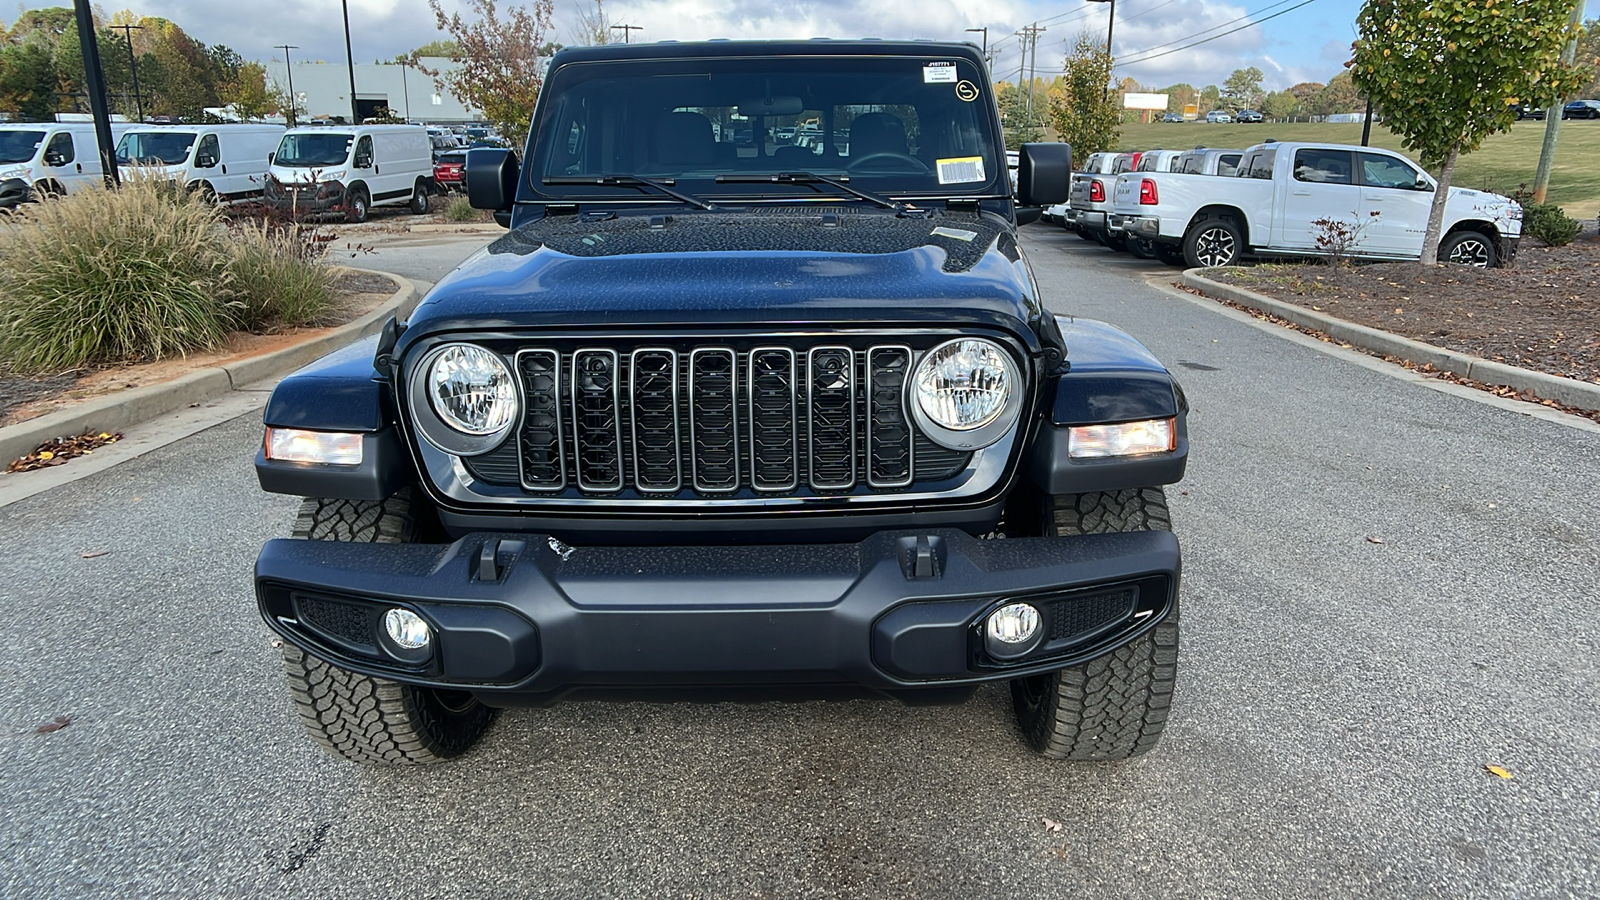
(889, 154)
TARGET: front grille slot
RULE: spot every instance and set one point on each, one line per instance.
(644, 421)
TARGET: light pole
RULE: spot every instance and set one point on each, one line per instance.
(985, 31)
(406, 90)
(288, 70)
(133, 65)
(627, 31)
(350, 60)
(1111, 22)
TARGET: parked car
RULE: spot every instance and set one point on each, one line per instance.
(1581, 109)
(1283, 188)
(54, 157)
(1524, 111)
(1089, 197)
(681, 436)
(1249, 115)
(1208, 161)
(449, 170)
(349, 170)
(226, 162)
(1219, 115)
(1174, 117)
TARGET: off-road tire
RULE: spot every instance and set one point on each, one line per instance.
(359, 717)
(1114, 707)
(358, 206)
(1213, 242)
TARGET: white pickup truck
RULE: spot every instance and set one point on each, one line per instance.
(1282, 188)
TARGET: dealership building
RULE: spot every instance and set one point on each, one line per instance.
(322, 90)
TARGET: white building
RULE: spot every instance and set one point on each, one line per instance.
(322, 90)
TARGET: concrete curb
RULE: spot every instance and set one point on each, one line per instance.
(1569, 391)
(465, 228)
(114, 412)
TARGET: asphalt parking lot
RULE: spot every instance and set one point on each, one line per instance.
(1387, 588)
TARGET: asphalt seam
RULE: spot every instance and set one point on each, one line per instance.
(124, 409)
(1568, 391)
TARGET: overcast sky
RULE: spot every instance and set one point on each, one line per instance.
(1306, 44)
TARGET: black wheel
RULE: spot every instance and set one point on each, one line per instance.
(359, 717)
(1114, 707)
(1212, 242)
(1170, 254)
(419, 199)
(1469, 248)
(1144, 248)
(357, 206)
(1117, 242)
(206, 193)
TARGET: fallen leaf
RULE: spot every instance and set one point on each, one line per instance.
(1374, 539)
(93, 554)
(61, 722)
(1052, 825)
(1498, 770)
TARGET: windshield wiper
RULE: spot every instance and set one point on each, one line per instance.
(629, 180)
(813, 178)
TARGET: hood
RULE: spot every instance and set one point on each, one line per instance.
(795, 266)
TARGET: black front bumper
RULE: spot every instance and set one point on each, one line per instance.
(525, 619)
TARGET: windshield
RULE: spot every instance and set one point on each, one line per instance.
(898, 125)
(19, 146)
(323, 148)
(166, 147)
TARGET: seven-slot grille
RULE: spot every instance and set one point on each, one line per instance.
(714, 420)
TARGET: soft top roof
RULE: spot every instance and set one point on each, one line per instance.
(813, 47)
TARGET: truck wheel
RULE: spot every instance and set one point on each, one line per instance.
(1212, 242)
(1169, 254)
(1114, 707)
(1144, 248)
(1117, 242)
(356, 207)
(1469, 248)
(359, 717)
(419, 199)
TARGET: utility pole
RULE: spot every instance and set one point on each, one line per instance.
(406, 89)
(627, 31)
(1552, 115)
(133, 65)
(1030, 59)
(1111, 24)
(350, 60)
(94, 80)
(289, 70)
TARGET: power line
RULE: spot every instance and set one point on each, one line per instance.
(1208, 40)
(1212, 28)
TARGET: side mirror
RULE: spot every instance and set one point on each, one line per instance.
(54, 158)
(1423, 184)
(491, 174)
(363, 161)
(272, 157)
(205, 162)
(1044, 171)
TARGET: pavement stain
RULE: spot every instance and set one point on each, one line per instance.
(296, 856)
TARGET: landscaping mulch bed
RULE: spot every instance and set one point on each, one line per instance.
(1541, 313)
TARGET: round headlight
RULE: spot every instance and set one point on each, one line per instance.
(471, 390)
(967, 389)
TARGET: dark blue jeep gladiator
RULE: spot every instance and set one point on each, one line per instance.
(756, 399)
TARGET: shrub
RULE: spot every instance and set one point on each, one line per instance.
(110, 276)
(1549, 223)
(461, 210)
(277, 278)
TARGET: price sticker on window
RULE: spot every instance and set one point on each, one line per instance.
(961, 170)
(939, 73)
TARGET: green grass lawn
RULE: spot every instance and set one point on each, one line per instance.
(1501, 164)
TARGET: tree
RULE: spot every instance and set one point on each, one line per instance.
(1242, 90)
(1339, 95)
(594, 26)
(248, 94)
(1444, 70)
(1589, 56)
(444, 49)
(499, 69)
(1019, 129)
(1083, 115)
(28, 82)
(1280, 105)
(1210, 98)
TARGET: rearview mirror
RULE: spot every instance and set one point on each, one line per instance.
(782, 105)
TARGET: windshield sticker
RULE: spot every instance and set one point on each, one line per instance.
(939, 73)
(961, 170)
(960, 234)
(966, 91)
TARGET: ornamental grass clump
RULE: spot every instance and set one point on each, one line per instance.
(278, 278)
(104, 276)
(461, 210)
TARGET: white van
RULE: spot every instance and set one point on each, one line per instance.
(53, 157)
(228, 162)
(350, 169)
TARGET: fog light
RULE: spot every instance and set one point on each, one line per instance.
(332, 448)
(1122, 439)
(406, 629)
(1012, 630)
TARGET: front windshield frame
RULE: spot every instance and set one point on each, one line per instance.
(317, 143)
(945, 121)
(159, 155)
(13, 140)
